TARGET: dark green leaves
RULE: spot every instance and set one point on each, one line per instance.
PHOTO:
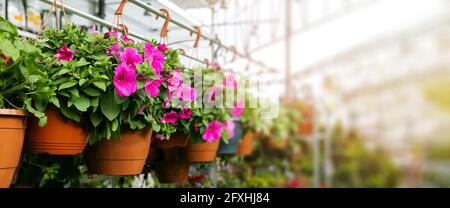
(108, 106)
(82, 103)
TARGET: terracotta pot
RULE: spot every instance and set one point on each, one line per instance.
(305, 128)
(60, 136)
(172, 172)
(270, 144)
(12, 132)
(177, 140)
(205, 152)
(245, 147)
(120, 157)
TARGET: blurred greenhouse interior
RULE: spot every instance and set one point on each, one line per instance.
(370, 79)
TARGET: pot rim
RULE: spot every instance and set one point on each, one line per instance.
(13, 112)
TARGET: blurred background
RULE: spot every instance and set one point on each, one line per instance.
(375, 75)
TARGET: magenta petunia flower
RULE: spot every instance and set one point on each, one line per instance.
(171, 117)
(165, 104)
(238, 109)
(212, 94)
(114, 50)
(229, 127)
(175, 79)
(93, 29)
(141, 110)
(187, 93)
(216, 66)
(186, 113)
(212, 132)
(111, 33)
(126, 39)
(162, 47)
(64, 53)
(125, 80)
(230, 81)
(5, 58)
(154, 56)
(152, 87)
(130, 57)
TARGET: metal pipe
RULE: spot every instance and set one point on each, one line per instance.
(105, 23)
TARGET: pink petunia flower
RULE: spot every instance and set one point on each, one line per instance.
(229, 127)
(170, 117)
(238, 109)
(212, 94)
(216, 66)
(162, 47)
(186, 113)
(125, 80)
(64, 53)
(154, 56)
(165, 104)
(175, 79)
(141, 110)
(111, 34)
(230, 81)
(187, 93)
(93, 29)
(114, 50)
(126, 39)
(152, 87)
(130, 57)
(212, 132)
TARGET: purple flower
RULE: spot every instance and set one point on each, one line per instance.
(212, 132)
(186, 113)
(171, 117)
(162, 47)
(229, 127)
(125, 80)
(159, 137)
(93, 29)
(238, 109)
(154, 56)
(187, 93)
(126, 39)
(64, 53)
(130, 57)
(216, 66)
(111, 33)
(114, 50)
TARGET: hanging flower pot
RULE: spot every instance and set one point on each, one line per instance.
(171, 166)
(245, 146)
(120, 157)
(271, 144)
(305, 127)
(60, 136)
(12, 131)
(201, 152)
(231, 147)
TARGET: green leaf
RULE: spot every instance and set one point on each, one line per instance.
(74, 92)
(91, 92)
(100, 85)
(96, 119)
(69, 113)
(82, 82)
(115, 125)
(108, 106)
(9, 50)
(63, 71)
(68, 84)
(55, 101)
(82, 103)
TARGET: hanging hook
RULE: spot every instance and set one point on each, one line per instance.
(165, 28)
(199, 35)
(119, 9)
